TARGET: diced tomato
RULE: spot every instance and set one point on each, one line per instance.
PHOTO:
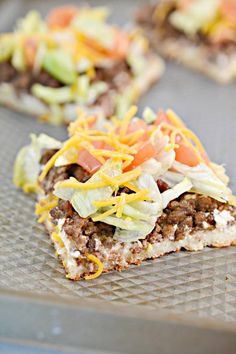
(228, 9)
(98, 144)
(30, 50)
(121, 44)
(62, 16)
(162, 118)
(184, 4)
(106, 146)
(138, 124)
(186, 155)
(88, 162)
(145, 152)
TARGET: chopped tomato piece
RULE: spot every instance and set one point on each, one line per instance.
(62, 16)
(162, 118)
(106, 146)
(145, 152)
(186, 155)
(88, 162)
(228, 9)
(184, 4)
(30, 50)
(121, 44)
(98, 144)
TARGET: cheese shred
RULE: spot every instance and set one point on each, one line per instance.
(95, 260)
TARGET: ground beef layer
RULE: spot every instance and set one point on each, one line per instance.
(117, 76)
(187, 214)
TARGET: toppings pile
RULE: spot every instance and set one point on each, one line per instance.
(125, 161)
(70, 46)
(213, 20)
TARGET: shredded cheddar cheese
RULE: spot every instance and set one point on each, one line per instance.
(119, 203)
(57, 238)
(141, 195)
(30, 187)
(39, 209)
(43, 217)
(44, 206)
(175, 120)
(129, 115)
(95, 260)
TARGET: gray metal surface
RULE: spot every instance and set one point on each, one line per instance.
(79, 327)
(202, 283)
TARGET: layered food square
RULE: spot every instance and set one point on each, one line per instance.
(118, 192)
(198, 33)
(74, 59)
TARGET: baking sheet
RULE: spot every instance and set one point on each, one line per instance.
(76, 326)
(203, 283)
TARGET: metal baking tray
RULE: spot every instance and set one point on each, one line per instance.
(49, 325)
(201, 283)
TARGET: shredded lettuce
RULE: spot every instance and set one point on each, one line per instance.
(195, 16)
(31, 23)
(163, 160)
(56, 115)
(153, 167)
(6, 48)
(149, 115)
(220, 172)
(137, 63)
(171, 178)
(138, 218)
(205, 181)
(59, 64)
(52, 95)
(18, 59)
(88, 92)
(27, 164)
(82, 200)
(69, 157)
(176, 191)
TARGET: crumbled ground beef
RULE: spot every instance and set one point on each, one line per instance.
(188, 213)
(23, 81)
(57, 174)
(7, 72)
(117, 76)
(47, 155)
(162, 185)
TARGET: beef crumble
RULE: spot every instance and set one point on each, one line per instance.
(23, 81)
(189, 212)
(117, 76)
(57, 174)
